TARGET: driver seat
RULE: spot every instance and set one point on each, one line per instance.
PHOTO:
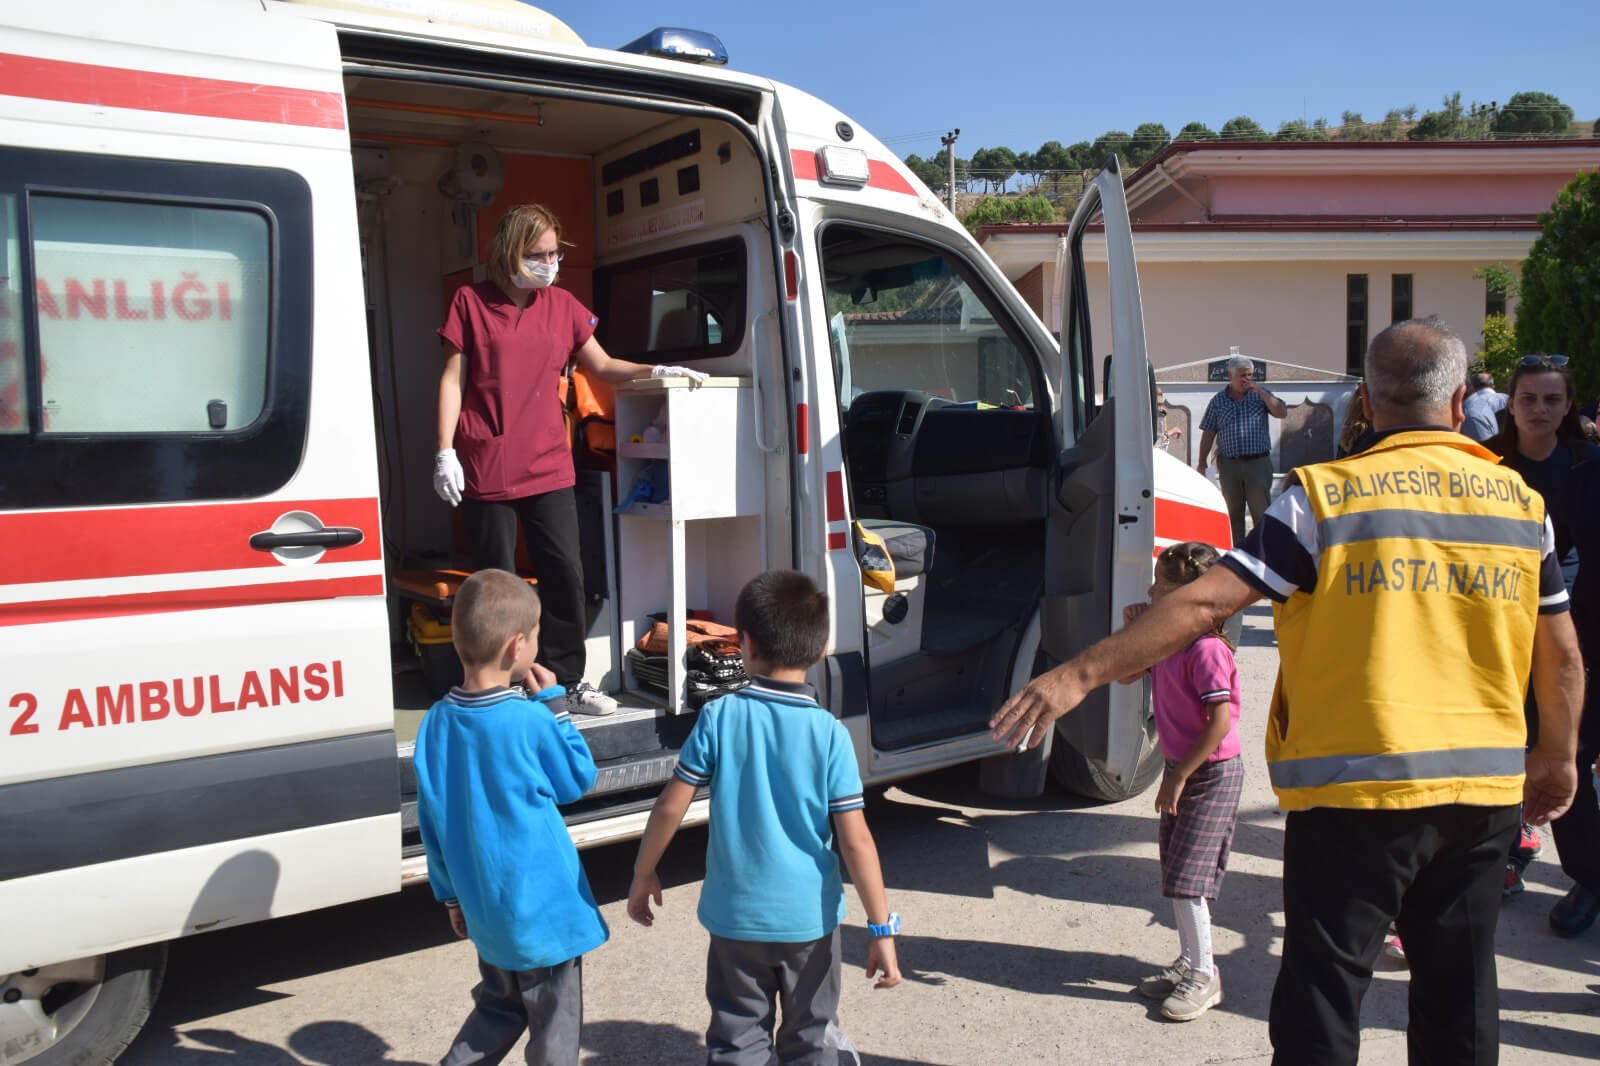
(894, 619)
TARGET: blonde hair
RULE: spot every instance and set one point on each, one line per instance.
(491, 607)
(518, 231)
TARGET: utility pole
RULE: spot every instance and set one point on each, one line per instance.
(949, 142)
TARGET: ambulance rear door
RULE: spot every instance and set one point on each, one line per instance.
(1102, 519)
(196, 713)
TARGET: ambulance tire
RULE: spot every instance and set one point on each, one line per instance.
(1088, 777)
(1017, 775)
(121, 1006)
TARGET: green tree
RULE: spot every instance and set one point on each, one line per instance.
(1443, 125)
(1535, 113)
(1560, 308)
(1297, 130)
(993, 167)
(934, 176)
(993, 210)
(1148, 139)
(1500, 350)
(1197, 131)
(1243, 128)
(1082, 153)
(1111, 142)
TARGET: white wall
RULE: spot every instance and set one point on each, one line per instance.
(1291, 311)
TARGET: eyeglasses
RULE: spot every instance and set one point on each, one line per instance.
(546, 257)
(1547, 362)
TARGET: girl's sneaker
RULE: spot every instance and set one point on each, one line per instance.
(1163, 984)
(1394, 949)
(1195, 994)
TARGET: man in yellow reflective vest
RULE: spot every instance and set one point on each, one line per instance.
(1415, 591)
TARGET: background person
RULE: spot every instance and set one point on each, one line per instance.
(1482, 408)
(504, 456)
(1396, 739)
(1544, 442)
(1236, 421)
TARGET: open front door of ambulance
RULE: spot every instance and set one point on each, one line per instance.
(195, 701)
(1102, 515)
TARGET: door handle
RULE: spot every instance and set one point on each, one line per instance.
(329, 537)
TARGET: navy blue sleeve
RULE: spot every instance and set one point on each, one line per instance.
(1279, 556)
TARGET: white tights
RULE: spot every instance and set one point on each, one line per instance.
(1194, 931)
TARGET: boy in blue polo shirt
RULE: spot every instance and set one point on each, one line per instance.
(492, 765)
(783, 779)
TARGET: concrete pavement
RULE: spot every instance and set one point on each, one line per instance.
(1026, 929)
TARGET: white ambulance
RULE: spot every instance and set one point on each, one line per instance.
(229, 230)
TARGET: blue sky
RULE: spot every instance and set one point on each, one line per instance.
(1018, 75)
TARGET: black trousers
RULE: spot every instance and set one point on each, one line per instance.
(550, 529)
(1577, 833)
(1436, 872)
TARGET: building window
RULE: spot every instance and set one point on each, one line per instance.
(1355, 316)
(1399, 297)
(1494, 299)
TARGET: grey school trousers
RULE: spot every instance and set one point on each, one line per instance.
(547, 1003)
(747, 981)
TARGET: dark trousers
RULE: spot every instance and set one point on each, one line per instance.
(1436, 872)
(1245, 483)
(550, 529)
(546, 1003)
(1577, 833)
(749, 981)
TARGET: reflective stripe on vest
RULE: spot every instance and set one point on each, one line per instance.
(1406, 766)
(1418, 525)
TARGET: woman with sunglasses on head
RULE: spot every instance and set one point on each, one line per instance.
(1543, 441)
(503, 453)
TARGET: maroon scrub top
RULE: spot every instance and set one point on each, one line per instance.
(511, 439)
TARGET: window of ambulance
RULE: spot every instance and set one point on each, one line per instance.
(674, 307)
(902, 316)
(154, 333)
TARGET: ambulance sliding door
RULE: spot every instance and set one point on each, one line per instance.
(195, 699)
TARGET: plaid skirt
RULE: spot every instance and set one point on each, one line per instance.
(1195, 843)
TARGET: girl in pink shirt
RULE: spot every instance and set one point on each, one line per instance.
(1196, 699)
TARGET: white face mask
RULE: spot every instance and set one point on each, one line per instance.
(536, 274)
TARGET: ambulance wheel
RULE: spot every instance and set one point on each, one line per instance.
(80, 1013)
(1089, 778)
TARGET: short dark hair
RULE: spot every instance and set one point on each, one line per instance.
(490, 608)
(786, 615)
(1483, 380)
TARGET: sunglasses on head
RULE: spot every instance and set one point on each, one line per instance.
(1548, 362)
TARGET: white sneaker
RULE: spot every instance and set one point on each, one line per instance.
(584, 698)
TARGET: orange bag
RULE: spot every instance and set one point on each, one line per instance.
(696, 631)
(590, 415)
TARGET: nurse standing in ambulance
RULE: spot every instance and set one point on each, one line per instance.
(503, 451)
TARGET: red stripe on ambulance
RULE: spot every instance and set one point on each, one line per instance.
(881, 175)
(1178, 521)
(143, 541)
(178, 94)
(23, 614)
(835, 483)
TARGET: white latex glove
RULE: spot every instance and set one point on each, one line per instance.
(695, 377)
(448, 480)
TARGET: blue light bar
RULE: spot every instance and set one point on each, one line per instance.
(690, 46)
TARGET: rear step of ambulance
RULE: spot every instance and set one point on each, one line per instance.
(634, 751)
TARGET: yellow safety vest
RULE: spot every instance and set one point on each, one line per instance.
(1403, 675)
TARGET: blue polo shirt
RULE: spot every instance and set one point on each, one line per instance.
(779, 768)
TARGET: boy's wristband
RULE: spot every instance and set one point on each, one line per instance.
(451, 904)
(889, 928)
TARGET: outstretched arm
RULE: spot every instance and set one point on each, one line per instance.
(1552, 779)
(1173, 623)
